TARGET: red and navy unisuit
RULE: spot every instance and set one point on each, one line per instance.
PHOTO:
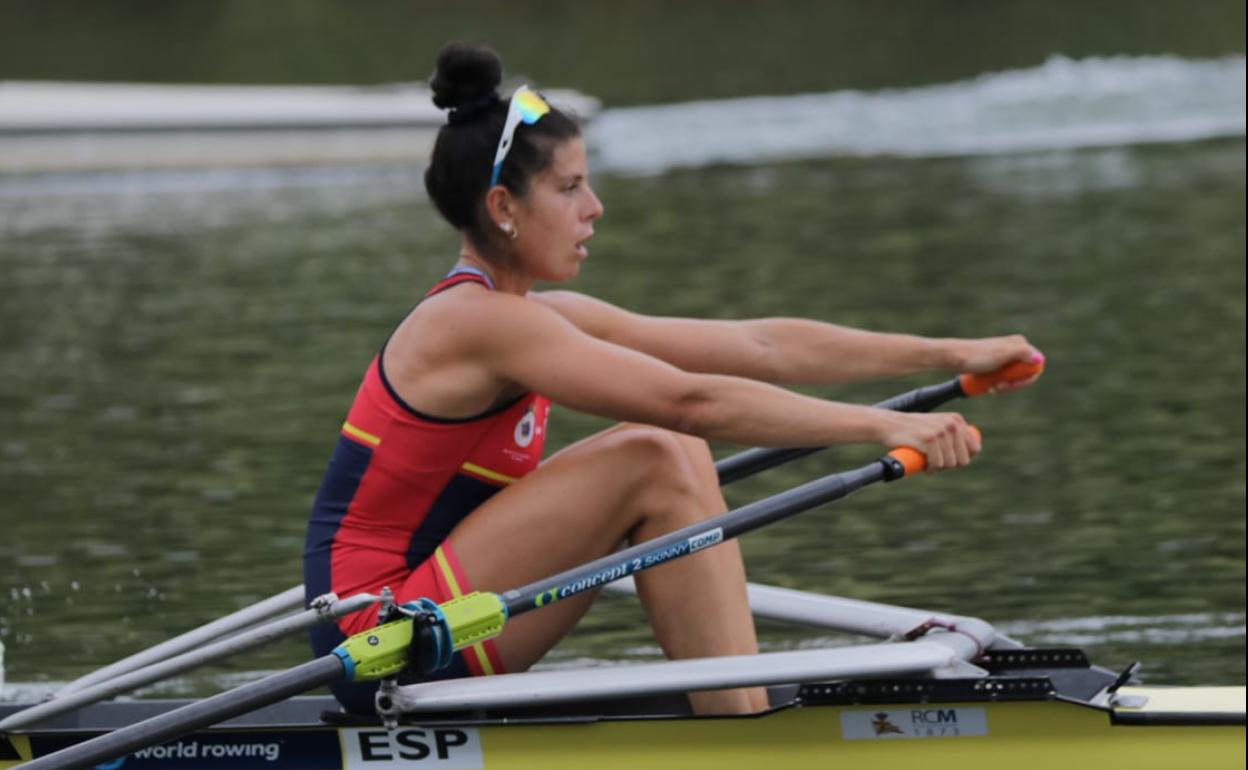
(397, 483)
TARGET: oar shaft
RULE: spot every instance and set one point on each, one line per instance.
(687, 540)
(926, 398)
(196, 716)
(753, 461)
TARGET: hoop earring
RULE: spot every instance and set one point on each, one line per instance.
(509, 230)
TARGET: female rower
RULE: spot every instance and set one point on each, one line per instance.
(437, 485)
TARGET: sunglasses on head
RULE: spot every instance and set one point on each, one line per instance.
(527, 106)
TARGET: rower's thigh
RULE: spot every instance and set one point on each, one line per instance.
(579, 505)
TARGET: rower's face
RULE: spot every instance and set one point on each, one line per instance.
(556, 217)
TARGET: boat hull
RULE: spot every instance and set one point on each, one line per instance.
(1016, 734)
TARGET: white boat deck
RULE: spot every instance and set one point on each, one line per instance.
(56, 127)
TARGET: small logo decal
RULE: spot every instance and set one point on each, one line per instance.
(881, 725)
(706, 539)
(922, 721)
(525, 429)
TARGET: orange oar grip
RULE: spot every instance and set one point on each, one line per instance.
(908, 461)
(912, 460)
(978, 384)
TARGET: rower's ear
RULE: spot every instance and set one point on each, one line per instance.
(500, 207)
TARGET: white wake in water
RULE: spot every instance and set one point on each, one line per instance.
(1062, 104)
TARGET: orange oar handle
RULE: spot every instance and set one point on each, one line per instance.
(978, 384)
(905, 461)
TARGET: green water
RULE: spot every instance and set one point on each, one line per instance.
(178, 352)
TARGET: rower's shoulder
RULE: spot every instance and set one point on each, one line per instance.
(591, 315)
(564, 301)
(467, 301)
(478, 313)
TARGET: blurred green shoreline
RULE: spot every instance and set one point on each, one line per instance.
(623, 53)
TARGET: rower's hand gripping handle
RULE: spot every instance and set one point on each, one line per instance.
(905, 461)
(1018, 371)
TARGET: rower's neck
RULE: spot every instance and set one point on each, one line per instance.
(504, 279)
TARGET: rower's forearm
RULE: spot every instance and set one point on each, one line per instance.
(813, 353)
(747, 412)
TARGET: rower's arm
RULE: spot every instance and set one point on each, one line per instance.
(531, 345)
(779, 350)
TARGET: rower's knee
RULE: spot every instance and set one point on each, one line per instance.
(650, 452)
(662, 470)
(696, 449)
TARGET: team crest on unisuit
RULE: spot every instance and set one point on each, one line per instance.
(525, 428)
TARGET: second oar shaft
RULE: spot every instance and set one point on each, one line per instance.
(689, 539)
(210, 711)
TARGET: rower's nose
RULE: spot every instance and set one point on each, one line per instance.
(595, 207)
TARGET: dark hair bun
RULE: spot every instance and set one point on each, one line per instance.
(466, 74)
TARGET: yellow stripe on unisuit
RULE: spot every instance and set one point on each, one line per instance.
(364, 436)
(483, 659)
(489, 474)
(453, 584)
(447, 572)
